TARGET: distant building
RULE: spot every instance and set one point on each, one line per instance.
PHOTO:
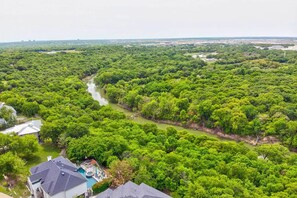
(56, 178)
(27, 128)
(132, 190)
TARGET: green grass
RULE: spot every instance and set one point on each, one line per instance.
(20, 190)
(44, 150)
(141, 120)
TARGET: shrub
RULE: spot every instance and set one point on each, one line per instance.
(101, 186)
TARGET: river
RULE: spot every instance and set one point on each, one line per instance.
(99, 96)
(92, 89)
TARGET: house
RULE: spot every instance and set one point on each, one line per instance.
(56, 178)
(27, 128)
(133, 190)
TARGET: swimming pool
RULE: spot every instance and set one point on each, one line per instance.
(90, 180)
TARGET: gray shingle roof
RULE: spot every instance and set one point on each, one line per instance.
(132, 190)
(56, 175)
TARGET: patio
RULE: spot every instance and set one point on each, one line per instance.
(93, 169)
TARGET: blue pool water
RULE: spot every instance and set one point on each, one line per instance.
(91, 181)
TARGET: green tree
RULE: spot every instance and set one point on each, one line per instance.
(30, 108)
(11, 164)
(121, 172)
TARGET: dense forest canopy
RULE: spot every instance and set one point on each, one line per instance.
(243, 90)
(246, 91)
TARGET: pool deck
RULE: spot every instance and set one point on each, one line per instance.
(98, 173)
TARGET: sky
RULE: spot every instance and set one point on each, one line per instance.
(136, 19)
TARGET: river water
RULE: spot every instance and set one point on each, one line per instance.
(96, 94)
(92, 89)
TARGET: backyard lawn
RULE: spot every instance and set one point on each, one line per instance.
(20, 189)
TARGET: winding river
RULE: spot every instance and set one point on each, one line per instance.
(92, 89)
(99, 96)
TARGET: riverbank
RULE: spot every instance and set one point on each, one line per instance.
(99, 95)
(196, 129)
(163, 124)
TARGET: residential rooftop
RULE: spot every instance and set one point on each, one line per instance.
(132, 190)
(56, 175)
(26, 128)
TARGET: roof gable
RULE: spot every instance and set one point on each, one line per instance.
(56, 175)
(146, 191)
(25, 128)
(132, 190)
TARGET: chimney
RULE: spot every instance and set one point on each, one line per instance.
(49, 158)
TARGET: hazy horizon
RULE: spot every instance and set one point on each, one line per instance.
(148, 19)
(165, 38)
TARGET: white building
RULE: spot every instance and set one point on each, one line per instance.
(56, 178)
(27, 128)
